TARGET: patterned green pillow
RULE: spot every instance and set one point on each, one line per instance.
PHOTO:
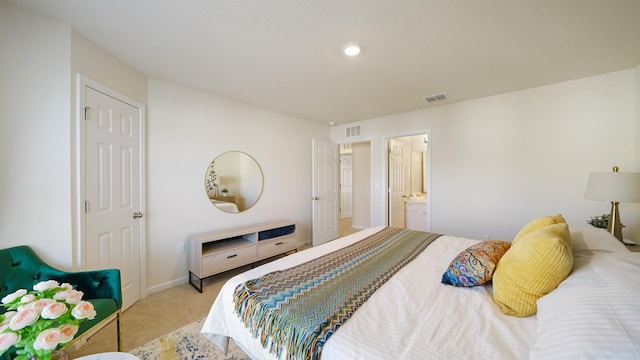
(475, 265)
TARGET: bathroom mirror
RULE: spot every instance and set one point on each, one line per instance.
(233, 181)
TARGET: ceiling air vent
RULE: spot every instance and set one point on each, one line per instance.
(436, 97)
(353, 131)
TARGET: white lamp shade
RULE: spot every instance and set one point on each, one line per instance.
(613, 186)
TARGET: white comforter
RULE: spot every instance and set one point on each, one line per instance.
(412, 316)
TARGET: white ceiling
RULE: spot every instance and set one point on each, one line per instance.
(285, 55)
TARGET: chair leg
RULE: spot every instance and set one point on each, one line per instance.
(119, 337)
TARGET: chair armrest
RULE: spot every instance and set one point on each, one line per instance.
(95, 284)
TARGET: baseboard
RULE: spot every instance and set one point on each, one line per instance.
(167, 285)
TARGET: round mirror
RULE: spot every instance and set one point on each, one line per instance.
(233, 181)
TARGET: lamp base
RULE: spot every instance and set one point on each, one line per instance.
(614, 227)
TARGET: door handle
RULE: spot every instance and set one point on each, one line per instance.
(137, 215)
(315, 198)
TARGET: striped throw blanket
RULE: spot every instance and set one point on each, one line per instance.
(299, 308)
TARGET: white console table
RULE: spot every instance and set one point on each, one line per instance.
(213, 252)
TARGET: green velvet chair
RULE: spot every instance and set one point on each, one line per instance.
(21, 268)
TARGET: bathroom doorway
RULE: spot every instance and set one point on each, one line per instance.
(408, 173)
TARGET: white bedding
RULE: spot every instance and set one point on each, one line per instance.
(594, 313)
(225, 206)
(412, 316)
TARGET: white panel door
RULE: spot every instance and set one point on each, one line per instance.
(113, 189)
(346, 186)
(325, 191)
(396, 183)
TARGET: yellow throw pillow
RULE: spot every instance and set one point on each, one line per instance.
(531, 268)
(538, 223)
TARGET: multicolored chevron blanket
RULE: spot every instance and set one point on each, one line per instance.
(299, 308)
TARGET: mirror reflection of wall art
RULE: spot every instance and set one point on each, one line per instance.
(233, 181)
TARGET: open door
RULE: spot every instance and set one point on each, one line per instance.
(325, 190)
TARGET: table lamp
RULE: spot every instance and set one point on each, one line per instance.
(616, 187)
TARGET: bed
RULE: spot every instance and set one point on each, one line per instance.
(593, 312)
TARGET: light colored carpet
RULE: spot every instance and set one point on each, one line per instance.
(186, 343)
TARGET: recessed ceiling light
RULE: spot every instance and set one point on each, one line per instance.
(351, 49)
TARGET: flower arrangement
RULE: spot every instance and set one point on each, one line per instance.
(40, 321)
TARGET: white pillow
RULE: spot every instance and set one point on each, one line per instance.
(595, 239)
(595, 312)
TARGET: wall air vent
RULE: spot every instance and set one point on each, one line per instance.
(436, 97)
(353, 131)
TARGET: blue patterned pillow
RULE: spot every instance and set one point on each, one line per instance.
(475, 265)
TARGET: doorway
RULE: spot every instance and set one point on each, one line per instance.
(355, 187)
(326, 183)
(408, 180)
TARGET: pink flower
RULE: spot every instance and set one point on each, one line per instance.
(84, 310)
(70, 296)
(66, 286)
(54, 310)
(7, 340)
(27, 298)
(23, 319)
(7, 317)
(68, 332)
(40, 304)
(46, 285)
(75, 297)
(48, 339)
(11, 297)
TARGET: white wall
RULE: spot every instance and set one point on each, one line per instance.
(35, 136)
(187, 129)
(498, 162)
